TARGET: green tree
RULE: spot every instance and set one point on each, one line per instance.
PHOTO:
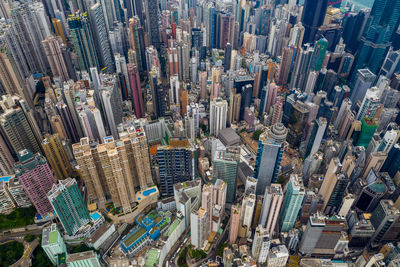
(10, 253)
(29, 238)
(256, 134)
(40, 259)
(18, 218)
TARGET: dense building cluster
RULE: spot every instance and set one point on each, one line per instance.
(203, 133)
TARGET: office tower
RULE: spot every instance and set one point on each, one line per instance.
(353, 28)
(53, 243)
(158, 93)
(225, 167)
(370, 194)
(100, 35)
(152, 15)
(319, 54)
(364, 81)
(137, 97)
(36, 177)
(370, 104)
(368, 128)
(83, 41)
(228, 57)
(269, 156)
(218, 115)
(56, 156)
(176, 164)
(382, 23)
(19, 125)
(235, 223)
(52, 49)
(297, 123)
(391, 63)
(294, 195)
(383, 218)
(261, 244)
(198, 227)
(312, 234)
(66, 200)
(392, 162)
(312, 18)
(271, 207)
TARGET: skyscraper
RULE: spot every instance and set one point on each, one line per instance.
(198, 227)
(56, 156)
(269, 156)
(383, 218)
(382, 22)
(52, 48)
(137, 97)
(176, 164)
(102, 43)
(315, 226)
(271, 207)
(330, 179)
(19, 124)
(83, 41)
(235, 223)
(261, 244)
(225, 167)
(152, 15)
(313, 17)
(218, 115)
(291, 206)
(66, 200)
(370, 103)
(36, 177)
(364, 81)
(317, 134)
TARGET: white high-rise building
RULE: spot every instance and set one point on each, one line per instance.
(370, 104)
(271, 207)
(278, 256)
(248, 205)
(218, 114)
(198, 227)
(261, 244)
(174, 89)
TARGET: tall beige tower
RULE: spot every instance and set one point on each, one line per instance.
(52, 48)
(330, 179)
(56, 156)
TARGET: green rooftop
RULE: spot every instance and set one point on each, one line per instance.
(173, 227)
(152, 257)
(141, 231)
(53, 237)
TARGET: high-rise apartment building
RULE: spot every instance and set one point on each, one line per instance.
(136, 90)
(56, 156)
(330, 179)
(271, 207)
(292, 201)
(269, 156)
(218, 115)
(198, 227)
(261, 244)
(19, 124)
(52, 49)
(152, 15)
(370, 103)
(83, 41)
(235, 223)
(36, 177)
(67, 201)
(100, 35)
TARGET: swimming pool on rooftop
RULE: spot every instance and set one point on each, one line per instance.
(95, 216)
(149, 192)
(5, 178)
